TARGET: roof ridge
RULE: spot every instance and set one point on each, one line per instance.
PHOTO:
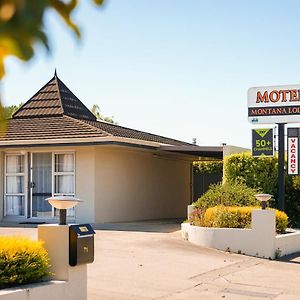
(58, 89)
(85, 122)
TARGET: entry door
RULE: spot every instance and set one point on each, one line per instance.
(41, 185)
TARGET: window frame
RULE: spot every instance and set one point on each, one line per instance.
(24, 194)
(68, 173)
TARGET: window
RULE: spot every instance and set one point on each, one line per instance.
(14, 185)
(64, 176)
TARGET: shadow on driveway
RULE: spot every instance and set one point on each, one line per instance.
(292, 258)
(163, 226)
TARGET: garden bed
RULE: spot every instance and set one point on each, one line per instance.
(261, 240)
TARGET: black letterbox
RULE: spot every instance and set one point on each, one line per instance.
(81, 244)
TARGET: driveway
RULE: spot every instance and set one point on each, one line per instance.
(150, 261)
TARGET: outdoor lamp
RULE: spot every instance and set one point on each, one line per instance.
(263, 198)
(62, 203)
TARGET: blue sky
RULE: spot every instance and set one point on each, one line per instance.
(175, 68)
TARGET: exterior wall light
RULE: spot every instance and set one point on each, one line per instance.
(263, 198)
(62, 203)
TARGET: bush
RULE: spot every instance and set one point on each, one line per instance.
(254, 172)
(261, 173)
(208, 167)
(228, 194)
(22, 261)
(232, 217)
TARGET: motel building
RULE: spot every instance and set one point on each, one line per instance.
(53, 145)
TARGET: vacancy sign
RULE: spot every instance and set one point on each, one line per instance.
(293, 148)
(274, 104)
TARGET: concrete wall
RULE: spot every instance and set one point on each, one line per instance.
(139, 185)
(58, 290)
(257, 241)
(287, 243)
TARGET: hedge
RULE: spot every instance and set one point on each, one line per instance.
(261, 173)
(232, 217)
(208, 167)
(22, 261)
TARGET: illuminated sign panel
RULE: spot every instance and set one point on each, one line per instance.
(274, 104)
(262, 142)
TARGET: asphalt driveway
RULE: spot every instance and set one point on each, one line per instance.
(150, 261)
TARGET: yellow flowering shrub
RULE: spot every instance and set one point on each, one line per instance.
(22, 261)
(233, 217)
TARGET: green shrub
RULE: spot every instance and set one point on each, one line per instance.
(261, 173)
(232, 217)
(228, 194)
(22, 261)
(208, 167)
(254, 172)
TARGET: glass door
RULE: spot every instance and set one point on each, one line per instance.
(41, 184)
(14, 185)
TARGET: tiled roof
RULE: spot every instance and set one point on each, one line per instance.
(55, 127)
(54, 99)
(121, 131)
(54, 112)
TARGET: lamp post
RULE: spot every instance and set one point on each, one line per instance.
(263, 198)
(62, 203)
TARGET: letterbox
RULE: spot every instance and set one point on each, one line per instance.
(81, 244)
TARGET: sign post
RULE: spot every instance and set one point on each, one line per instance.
(281, 186)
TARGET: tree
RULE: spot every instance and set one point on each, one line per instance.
(97, 113)
(10, 110)
(22, 25)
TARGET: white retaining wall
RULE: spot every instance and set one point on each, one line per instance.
(260, 240)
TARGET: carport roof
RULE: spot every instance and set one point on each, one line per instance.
(202, 151)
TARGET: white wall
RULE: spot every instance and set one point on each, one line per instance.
(257, 241)
(139, 185)
(85, 184)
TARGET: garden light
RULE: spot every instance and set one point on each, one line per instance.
(62, 203)
(263, 198)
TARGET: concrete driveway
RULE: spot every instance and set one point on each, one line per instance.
(151, 261)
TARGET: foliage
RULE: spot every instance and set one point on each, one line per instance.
(232, 217)
(255, 172)
(22, 24)
(22, 261)
(228, 194)
(10, 110)
(261, 173)
(97, 113)
(209, 167)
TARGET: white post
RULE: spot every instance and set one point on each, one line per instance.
(56, 242)
(264, 229)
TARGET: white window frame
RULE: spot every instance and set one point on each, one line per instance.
(25, 180)
(73, 173)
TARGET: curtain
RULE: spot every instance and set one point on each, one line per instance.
(14, 185)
